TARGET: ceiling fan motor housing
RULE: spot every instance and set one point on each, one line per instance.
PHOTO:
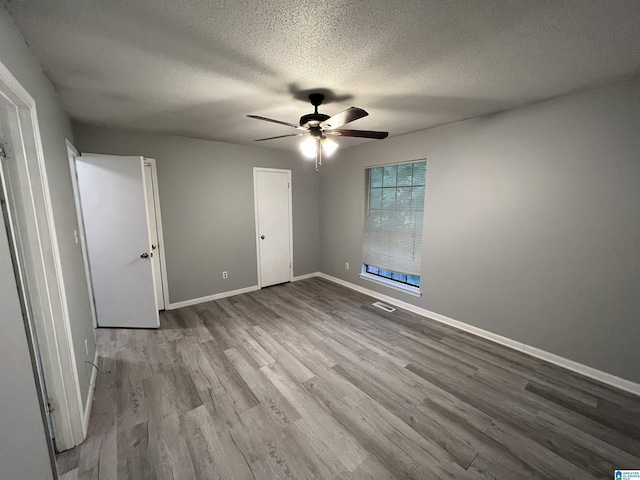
(313, 119)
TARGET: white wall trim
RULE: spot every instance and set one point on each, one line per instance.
(63, 328)
(590, 372)
(305, 276)
(231, 293)
(92, 387)
(209, 298)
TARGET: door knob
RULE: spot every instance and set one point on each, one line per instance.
(262, 237)
(144, 255)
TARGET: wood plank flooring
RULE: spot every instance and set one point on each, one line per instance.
(308, 380)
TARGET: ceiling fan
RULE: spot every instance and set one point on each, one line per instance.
(318, 127)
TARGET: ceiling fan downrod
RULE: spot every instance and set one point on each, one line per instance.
(316, 100)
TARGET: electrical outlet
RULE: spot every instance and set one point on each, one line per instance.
(225, 274)
(86, 346)
(346, 266)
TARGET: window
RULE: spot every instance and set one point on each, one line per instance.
(392, 240)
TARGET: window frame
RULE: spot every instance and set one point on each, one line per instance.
(379, 279)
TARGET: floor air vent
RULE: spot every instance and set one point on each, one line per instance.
(384, 306)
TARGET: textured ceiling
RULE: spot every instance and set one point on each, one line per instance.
(197, 67)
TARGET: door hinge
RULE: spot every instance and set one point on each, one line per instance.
(50, 407)
(2, 152)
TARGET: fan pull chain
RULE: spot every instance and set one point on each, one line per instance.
(318, 154)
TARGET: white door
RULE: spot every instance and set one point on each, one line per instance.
(116, 225)
(272, 190)
(153, 232)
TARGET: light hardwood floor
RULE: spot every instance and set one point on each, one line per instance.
(308, 380)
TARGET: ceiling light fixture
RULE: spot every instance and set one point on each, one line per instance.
(315, 146)
(329, 146)
(309, 147)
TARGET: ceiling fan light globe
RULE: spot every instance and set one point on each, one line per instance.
(329, 146)
(308, 147)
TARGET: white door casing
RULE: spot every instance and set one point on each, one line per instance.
(72, 153)
(114, 210)
(274, 232)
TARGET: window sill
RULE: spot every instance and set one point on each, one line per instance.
(391, 284)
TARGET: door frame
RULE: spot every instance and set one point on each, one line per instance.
(72, 153)
(163, 258)
(45, 268)
(256, 170)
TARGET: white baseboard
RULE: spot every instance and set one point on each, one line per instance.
(217, 296)
(585, 370)
(305, 276)
(92, 387)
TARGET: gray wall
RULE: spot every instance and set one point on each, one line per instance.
(54, 127)
(206, 198)
(532, 223)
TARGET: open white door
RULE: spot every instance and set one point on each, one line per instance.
(272, 191)
(116, 223)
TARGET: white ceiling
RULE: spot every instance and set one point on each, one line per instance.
(197, 67)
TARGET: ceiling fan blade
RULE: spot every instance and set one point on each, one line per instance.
(276, 121)
(280, 136)
(349, 115)
(358, 133)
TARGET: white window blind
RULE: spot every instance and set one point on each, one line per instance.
(394, 217)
